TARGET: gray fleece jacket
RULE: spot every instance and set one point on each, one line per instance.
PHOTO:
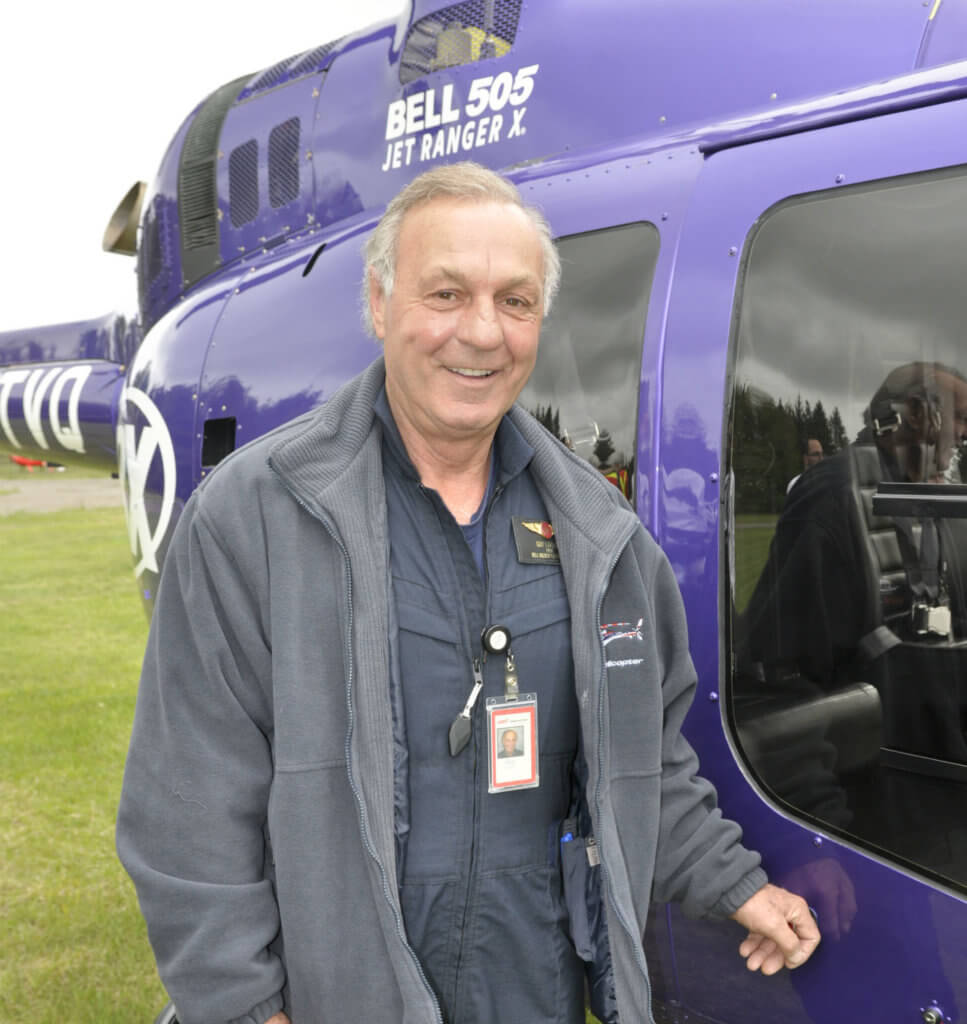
(257, 813)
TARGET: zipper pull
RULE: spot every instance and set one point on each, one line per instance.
(460, 728)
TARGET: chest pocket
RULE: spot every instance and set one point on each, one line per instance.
(426, 612)
(532, 603)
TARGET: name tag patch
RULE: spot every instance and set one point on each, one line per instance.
(535, 540)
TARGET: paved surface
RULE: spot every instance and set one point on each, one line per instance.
(43, 491)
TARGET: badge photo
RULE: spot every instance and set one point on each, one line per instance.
(512, 743)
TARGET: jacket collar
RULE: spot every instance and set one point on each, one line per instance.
(328, 443)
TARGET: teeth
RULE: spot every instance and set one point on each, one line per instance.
(471, 373)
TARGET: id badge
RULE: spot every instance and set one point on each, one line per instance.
(512, 743)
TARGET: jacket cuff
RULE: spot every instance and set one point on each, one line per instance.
(730, 902)
(261, 1012)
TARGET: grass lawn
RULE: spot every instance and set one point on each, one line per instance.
(12, 473)
(753, 535)
(71, 636)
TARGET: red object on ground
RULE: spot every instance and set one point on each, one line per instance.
(27, 464)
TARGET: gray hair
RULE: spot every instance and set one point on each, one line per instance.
(466, 181)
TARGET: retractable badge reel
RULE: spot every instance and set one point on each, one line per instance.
(511, 724)
(495, 640)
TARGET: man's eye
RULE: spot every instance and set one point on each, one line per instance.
(446, 295)
(516, 302)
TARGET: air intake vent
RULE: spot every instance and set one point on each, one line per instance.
(272, 77)
(460, 34)
(314, 60)
(243, 183)
(284, 163)
(302, 64)
(197, 197)
(150, 259)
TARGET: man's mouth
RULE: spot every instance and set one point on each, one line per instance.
(464, 372)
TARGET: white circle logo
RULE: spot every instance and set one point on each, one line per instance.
(136, 455)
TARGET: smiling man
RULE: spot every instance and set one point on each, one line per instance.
(314, 810)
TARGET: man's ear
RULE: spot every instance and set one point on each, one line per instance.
(377, 306)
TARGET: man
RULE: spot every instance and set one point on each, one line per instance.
(306, 810)
(812, 454)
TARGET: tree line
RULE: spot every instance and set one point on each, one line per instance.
(768, 439)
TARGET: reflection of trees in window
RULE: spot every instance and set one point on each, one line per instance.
(548, 418)
(768, 439)
(616, 465)
(585, 385)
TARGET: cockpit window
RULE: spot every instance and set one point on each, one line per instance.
(584, 388)
(848, 567)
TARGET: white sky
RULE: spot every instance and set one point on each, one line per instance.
(90, 95)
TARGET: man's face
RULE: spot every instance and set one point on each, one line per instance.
(814, 453)
(461, 327)
(509, 740)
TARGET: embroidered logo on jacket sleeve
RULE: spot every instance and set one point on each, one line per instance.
(611, 631)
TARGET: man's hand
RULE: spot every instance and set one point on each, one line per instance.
(278, 1018)
(782, 932)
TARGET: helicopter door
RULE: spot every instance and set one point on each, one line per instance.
(820, 290)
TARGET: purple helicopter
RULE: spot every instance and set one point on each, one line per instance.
(760, 340)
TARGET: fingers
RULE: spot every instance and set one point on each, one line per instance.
(802, 925)
(761, 954)
(782, 932)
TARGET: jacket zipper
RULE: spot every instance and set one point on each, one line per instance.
(475, 807)
(357, 796)
(619, 914)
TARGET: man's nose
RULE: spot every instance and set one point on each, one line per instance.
(480, 324)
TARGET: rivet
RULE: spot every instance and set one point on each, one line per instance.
(664, 216)
(773, 96)
(817, 840)
(732, 250)
(714, 477)
(840, 178)
(661, 120)
(224, 408)
(713, 696)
